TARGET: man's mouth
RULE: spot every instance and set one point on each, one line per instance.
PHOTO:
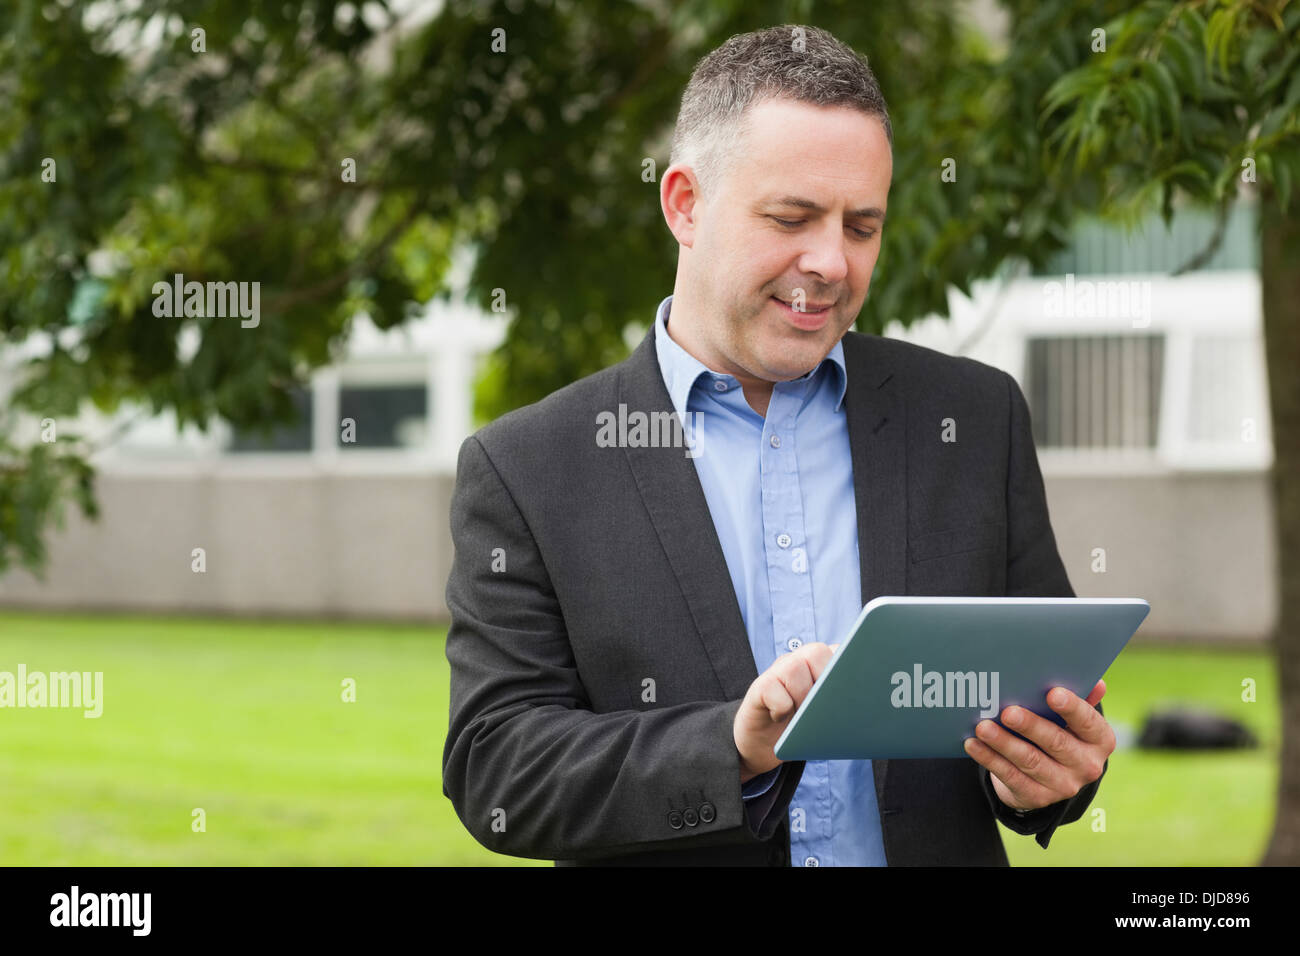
(808, 307)
(811, 318)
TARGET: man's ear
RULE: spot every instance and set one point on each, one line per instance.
(679, 197)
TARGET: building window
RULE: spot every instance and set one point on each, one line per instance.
(384, 416)
(1095, 391)
(295, 436)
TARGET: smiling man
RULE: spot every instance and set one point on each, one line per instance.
(632, 628)
(770, 277)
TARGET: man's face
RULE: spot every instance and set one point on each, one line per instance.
(800, 207)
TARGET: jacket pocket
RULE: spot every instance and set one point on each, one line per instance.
(937, 544)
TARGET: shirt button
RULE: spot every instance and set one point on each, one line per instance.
(794, 643)
(783, 540)
(776, 441)
(811, 861)
(720, 385)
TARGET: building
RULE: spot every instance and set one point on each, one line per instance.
(1148, 395)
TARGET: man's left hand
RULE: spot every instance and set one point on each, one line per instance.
(1027, 777)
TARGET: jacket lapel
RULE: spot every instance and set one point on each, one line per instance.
(875, 413)
(674, 498)
(876, 440)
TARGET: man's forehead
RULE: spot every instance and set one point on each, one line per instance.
(815, 154)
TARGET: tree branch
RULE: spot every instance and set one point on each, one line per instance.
(298, 296)
(1212, 245)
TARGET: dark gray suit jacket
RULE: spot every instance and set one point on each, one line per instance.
(583, 572)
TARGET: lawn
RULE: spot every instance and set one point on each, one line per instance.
(246, 721)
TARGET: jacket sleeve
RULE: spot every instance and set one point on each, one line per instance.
(1034, 569)
(531, 770)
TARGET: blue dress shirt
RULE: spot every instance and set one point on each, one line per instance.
(780, 491)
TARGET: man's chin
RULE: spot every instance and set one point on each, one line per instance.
(786, 366)
(798, 353)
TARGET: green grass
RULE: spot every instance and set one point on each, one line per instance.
(245, 720)
(1168, 809)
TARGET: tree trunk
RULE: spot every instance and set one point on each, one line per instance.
(1280, 280)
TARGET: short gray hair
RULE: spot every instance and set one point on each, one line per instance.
(801, 63)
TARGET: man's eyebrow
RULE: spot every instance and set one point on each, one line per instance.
(868, 212)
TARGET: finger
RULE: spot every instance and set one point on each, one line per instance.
(1095, 696)
(816, 655)
(798, 671)
(776, 700)
(795, 675)
(1027, 792)
(1080, 716)
(1054, 740)
(1026, 757)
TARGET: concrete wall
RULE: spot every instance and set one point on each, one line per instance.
(1200, 548)
(327, 545)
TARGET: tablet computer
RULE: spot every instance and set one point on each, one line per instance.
(916, 674)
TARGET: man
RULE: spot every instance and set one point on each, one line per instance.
(637, 612)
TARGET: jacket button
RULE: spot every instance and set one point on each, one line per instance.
(690, 816)
(675, 819)
(707, 813)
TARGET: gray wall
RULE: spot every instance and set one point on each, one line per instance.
(326, 545)
(1200, 548)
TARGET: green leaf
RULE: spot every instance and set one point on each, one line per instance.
(1184, 64)
(1275, 119)
(1219, 35)
(1261, 42)
(1168, 90)
(1292, 96)
(1285, 68)
(1072, 86)
(1134, 102)
(1187, 168)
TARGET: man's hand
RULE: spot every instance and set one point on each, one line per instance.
(1027, 777)
(771, 701)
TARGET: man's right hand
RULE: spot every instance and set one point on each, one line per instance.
(771, 701)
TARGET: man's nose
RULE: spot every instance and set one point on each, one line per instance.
(825, 256)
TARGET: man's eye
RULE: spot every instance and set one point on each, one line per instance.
(860, 233)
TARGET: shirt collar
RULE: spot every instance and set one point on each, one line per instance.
(681, 369)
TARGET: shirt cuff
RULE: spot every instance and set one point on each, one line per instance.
(757, 786)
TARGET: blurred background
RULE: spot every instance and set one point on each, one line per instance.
(436, 212)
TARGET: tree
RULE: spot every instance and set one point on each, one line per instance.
(1201, 100)
(533, 133)
(211, 141)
